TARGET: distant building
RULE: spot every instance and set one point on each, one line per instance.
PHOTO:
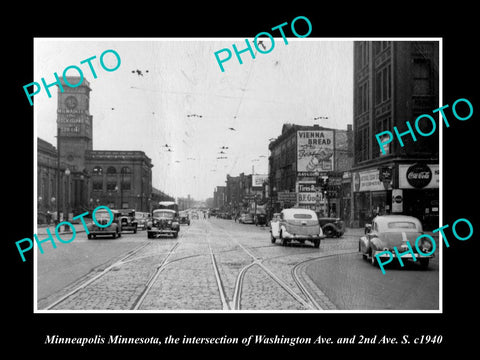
(219, 197)
(301, 155)
(395, 82)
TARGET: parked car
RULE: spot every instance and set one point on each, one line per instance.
(332, 227)
(128, 220)
(261, 219)
(389, 231)
(296, 224)
(184, 219)
(246, 218)
(163, 222)
(103, 217)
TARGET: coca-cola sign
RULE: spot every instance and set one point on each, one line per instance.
(419, 175)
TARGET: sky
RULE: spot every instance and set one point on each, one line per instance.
(182, 99)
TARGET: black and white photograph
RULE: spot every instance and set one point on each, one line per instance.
(290, 181)
(228, 186)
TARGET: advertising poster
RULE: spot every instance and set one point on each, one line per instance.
(315, 152)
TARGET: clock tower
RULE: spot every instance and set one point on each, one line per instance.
(74, 123)
(74, 138)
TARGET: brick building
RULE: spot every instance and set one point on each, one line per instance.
(395, 82)
(299, 156)
(75, 178)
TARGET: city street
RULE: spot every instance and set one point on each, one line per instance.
(218, 264)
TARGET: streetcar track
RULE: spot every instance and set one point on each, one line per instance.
(122, 261)
(96, 277)
(305, 298)
(258, 261)
(150, 282)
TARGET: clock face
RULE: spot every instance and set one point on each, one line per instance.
(71, 102)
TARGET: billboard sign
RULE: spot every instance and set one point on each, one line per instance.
(258, 180)
(314, 151)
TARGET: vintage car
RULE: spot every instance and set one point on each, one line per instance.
(128, 220)
(246, 218)
(296, 224)
(184, 218)
(389, 231)
(142, 220)
(332, 227)
(163, 222)
(102, 217)
(261, 219)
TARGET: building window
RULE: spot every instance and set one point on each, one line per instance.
(362, 98)
(97, 170)
(383, 84)
(421, 77)
(362, 144)
(111, 185)
(362, 54)
(111, 170)
(97, 184)
(382, 124)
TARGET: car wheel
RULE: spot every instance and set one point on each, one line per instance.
(328, 231)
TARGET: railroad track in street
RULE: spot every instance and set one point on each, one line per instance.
(138, 303)
(129, 257)
(308, 303)
(236, 272)
(108, 269)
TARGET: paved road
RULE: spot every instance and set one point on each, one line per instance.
(218, 264)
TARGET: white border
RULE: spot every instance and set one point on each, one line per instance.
(35, 263)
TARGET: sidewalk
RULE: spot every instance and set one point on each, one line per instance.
(42, 229)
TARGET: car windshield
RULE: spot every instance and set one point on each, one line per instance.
(163, 214)
(401, 225)
(302, 216)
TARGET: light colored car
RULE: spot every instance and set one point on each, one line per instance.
(246, 218)
(389, 231)
(296, 224)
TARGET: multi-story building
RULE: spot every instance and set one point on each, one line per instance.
(302, 154)
(219, 198)
(74, 178)
(395, 82)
